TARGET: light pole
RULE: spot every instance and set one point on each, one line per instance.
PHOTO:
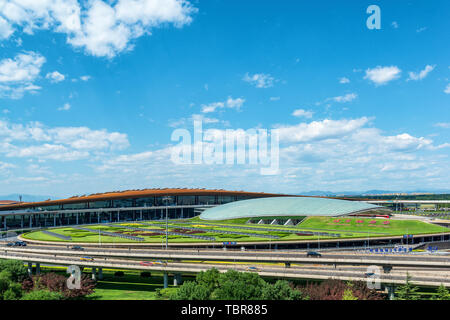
(167, 199)
(318, 241)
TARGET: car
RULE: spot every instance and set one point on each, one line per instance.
(87, 259)
(252, 269)
(17, 244)
(313, 254)
(146, 263)
(159, 262)
(369, 274)
(79, 248)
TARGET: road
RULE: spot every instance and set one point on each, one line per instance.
(316, 270)
(389, 260)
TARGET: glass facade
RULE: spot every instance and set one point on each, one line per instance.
(145, 202)
(44, 216)
(73, 206)
(186, 200)
(100, 204)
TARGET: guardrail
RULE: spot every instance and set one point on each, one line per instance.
(282, 273)
(382, 260)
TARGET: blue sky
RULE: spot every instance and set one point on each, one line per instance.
(91, 91)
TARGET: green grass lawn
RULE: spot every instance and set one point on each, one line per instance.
(129, 287)
(395, 227)
(347, 227)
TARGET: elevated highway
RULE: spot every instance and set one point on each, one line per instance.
(382, 260)
(192, 268)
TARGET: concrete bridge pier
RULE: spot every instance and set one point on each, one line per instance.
(94, 273)
(100, 273)
(390, 289)
(166, 280)
(387, 269)
(38, 268)
(30, 269)
(177, 279)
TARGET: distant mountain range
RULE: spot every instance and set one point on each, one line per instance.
(372, 192)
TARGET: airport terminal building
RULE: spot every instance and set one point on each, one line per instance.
(130, 205)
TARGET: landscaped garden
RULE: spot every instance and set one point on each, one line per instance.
(196, 230)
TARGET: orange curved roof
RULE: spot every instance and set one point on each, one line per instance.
(137, 193)
(7, 202)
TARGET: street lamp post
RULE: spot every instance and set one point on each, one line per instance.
(166, 199)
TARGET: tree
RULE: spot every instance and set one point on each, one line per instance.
(442, 293)
(234, 285)
(14, 292)
(348, 295)
(280, 290)
(42, 295)
(17, 269)
(209, 278)
(58, 283)
(191, 290)
(9, 290)
(407, 291)
(362, 292)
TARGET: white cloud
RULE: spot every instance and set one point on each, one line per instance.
(5, 29)
(344, 80)
(55, 76)
(302, 113)
(394, 24)
(447, 89)
(85, 78)
(331, 154)
(345, 98)
(405, 142)
(382, 75)
(65, 107)
(60, 143)
(422, 74)
(421, 29)
(259, 80)
(319, 130)
(100, 28)
(229, 103)
(274, 98)
(25, 67)
(17, 75)
(445, 125)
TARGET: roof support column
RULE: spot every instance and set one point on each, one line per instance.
(166, 280)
